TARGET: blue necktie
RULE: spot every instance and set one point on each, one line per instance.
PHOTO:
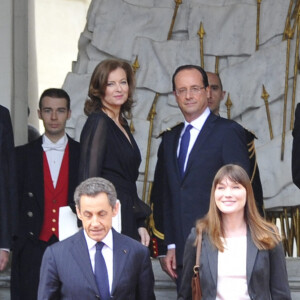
(184, 145)
(101, 273)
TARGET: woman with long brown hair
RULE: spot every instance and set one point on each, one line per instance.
(108, 148)
(242, 255)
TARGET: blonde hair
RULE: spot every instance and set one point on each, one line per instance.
(264, 234)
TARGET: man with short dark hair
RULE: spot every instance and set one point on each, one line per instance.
(47, 171)
(192, 152)
(97, 262)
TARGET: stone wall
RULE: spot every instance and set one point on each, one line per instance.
(128, 29)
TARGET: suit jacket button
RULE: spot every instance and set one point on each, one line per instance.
(31, 233)
(30, 214)
(30, 194)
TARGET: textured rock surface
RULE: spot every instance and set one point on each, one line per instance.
(139, 28)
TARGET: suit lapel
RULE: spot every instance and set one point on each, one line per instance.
(120, 255)
(80, 253)
(203, 134)
(35, 157)
(173, 142)
(212, 257)
(251, 256)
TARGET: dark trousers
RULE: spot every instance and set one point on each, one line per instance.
(25, 268)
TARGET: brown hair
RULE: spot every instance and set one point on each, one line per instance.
(264, 234)
(98, 86)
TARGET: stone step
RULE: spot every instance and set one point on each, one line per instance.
(165, 288)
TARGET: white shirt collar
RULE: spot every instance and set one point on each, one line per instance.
(199, 122)
(60, 144)
(107, 240)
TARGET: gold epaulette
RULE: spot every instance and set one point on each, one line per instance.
(168, 129)
(152, 227)
(252, 132)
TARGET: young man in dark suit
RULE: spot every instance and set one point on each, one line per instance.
(8, 196)
(97, 262)
(47, 171)
(190, 164)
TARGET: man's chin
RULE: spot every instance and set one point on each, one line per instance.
(97, 236)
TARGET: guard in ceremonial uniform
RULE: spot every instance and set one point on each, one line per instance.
(47, 171)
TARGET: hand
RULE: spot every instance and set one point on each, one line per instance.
(145, 237)
(4, 255)
(168, 264)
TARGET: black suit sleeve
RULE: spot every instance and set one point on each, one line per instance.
(92, 147)
(8, 195)
(156, 220)
(296, 149)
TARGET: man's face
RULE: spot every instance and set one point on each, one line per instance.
(216, 95)
(191, 95)
(54, 114)
(96, 215)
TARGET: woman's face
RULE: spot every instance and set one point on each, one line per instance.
(116, 93)
(230, 197)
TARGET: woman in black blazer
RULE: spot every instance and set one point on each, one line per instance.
(242, 256)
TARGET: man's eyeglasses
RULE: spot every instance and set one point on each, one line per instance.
(195, 90)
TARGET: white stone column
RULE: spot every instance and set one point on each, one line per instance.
(13, 61)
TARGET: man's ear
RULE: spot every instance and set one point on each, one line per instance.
(78, 213)
(39, 114)
(69, 114)
(223, 95)
(116, 208)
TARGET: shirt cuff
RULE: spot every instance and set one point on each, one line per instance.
(171, 246)
(5, 249)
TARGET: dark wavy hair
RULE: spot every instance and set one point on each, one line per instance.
(98, 86)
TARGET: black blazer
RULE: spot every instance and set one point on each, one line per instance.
(296, 148)
(31, 185)
(66, 271)
(8, 195)
(220, 142)
(265, 270)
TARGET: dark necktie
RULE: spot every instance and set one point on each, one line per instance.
(101, 273)
(184, 145)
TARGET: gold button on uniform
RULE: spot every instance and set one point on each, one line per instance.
(53, 229)
(53, 220)
(54, 210)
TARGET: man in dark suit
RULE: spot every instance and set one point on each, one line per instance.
(7, 185)
(296, 148)
(192, 154)
(72, 268)
(47, 171)
(216, 95)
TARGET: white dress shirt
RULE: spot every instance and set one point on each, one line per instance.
(194, 132)
(107, 252)
(55, 153)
